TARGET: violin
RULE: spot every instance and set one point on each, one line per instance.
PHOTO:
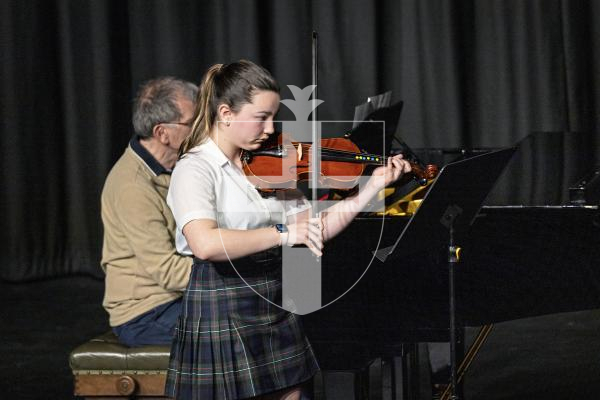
(282, 164)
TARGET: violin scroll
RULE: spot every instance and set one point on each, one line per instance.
(423, 173)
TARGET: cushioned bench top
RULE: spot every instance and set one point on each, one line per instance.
(106, 353)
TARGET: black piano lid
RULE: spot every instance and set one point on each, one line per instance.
(532, 251)
(544, 167)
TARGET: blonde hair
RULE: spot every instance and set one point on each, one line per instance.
(233, 84)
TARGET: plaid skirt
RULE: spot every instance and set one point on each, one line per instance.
(230, 343)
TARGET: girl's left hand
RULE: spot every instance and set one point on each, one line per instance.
(383, 176)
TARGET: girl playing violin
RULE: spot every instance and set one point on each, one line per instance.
(232, 341)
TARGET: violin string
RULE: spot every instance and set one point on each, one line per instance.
(349, 153)
(337, 151)
(367, 158)
(351, 156)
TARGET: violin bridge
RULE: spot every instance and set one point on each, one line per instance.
(299, 151)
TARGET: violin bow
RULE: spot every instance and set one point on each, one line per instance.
(316, 133)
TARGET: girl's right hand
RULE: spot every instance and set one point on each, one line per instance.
(308, 232)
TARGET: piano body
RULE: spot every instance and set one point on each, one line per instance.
(532, 250)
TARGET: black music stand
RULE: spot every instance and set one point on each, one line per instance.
(448, 209)
(367, 135)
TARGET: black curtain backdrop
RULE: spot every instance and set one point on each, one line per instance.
(478, 73)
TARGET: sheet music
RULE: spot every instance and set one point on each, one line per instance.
(381, 100)
(373, 103)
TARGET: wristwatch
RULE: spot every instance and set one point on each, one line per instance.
(283, 233)
(281, 228)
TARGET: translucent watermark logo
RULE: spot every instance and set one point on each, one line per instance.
(302, 286)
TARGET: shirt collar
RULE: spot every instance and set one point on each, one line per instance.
(215, 152)
(146, 157)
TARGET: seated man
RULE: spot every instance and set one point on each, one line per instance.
(145, 276)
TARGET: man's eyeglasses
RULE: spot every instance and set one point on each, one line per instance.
(188, 124)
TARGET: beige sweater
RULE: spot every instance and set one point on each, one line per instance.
(142, 266)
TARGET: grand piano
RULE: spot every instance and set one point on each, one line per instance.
(531, 250)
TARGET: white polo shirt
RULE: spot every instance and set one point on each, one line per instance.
(205, 184)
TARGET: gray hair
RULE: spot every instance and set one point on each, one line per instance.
(156, 102)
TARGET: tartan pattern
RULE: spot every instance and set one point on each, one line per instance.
(232, 344)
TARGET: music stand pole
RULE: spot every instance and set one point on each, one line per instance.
(453, 258)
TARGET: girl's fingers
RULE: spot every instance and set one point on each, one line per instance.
(315, 246)
(315, 250)
(316, 230)
(315, 235)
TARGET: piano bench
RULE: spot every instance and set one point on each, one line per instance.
(105, 368)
